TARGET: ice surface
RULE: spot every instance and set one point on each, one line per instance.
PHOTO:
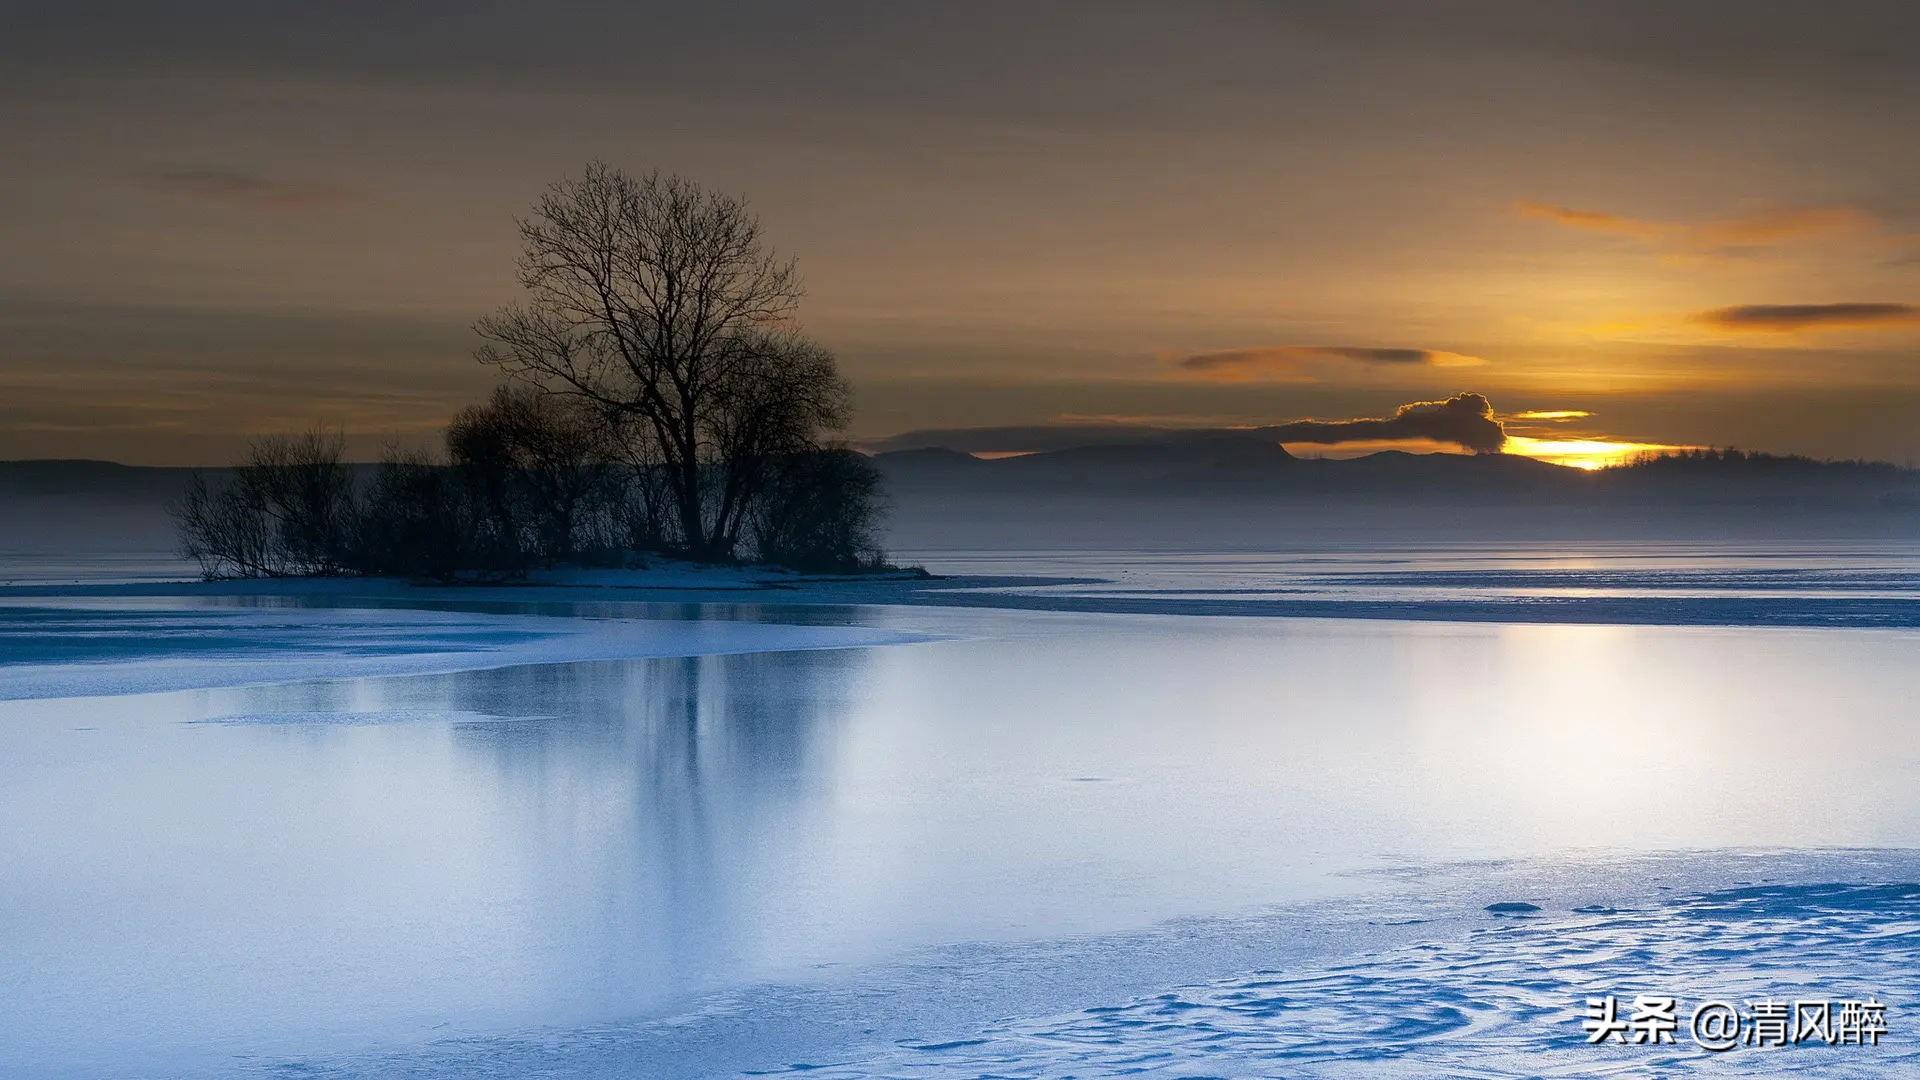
(1672, 584)
(95, 646)
(1669, 584)
(384, 716)
(373, 831)
(1346, 988)
(1505, 1001)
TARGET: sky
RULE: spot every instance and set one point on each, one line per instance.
(1620, 225)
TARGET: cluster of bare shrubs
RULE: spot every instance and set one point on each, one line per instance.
(527, 481)
(661, 400)
(289, 511)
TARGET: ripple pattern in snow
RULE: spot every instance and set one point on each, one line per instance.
(1504, 1002)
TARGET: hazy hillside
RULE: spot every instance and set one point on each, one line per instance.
(1205, 492)
(87, 506)
(1246, 465)
(1237, 493)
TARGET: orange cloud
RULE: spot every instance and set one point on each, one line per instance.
(1774, 226)
(1591, 220)
(1790, 318)
(1760, 229)
(1292, 362)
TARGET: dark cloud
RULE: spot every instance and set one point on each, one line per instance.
(1786, 318)
(1284, 361)
(239, 188)
(1382, 356)
(1465, 420)
(1019, 438)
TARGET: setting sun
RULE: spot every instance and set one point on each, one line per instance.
(1585, 453)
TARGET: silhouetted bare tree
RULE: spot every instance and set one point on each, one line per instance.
(658, 302)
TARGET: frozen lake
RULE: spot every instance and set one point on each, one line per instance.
(935, 841)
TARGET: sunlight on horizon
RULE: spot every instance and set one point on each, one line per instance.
(1587, 454)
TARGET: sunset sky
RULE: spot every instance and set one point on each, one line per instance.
(1620, 223)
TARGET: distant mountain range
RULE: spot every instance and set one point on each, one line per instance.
(1212, 489)
(1227, 465)
(1228, 493)
(81, 477)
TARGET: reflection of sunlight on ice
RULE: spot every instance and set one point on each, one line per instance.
(1608, 736)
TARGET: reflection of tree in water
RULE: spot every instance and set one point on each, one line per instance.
(660, 807)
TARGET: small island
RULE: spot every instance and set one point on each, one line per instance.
(660, 400)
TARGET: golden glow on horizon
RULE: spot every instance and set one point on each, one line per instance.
(1551, 414)
(1586, 454)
